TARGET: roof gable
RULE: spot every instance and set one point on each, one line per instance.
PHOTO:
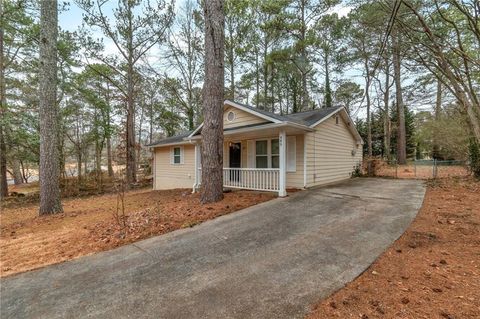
(268, 116)
(346, 119)
(235, 117)
(246, 116)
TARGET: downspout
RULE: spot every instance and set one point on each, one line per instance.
(195, 184)
(304, 160)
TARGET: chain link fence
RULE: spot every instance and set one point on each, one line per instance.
(418, 169)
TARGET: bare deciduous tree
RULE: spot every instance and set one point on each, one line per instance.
(133, 35)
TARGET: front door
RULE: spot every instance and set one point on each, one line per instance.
(235, 156)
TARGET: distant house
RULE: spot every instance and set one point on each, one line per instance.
(266, 151)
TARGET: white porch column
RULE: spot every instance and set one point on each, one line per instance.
(282, 143)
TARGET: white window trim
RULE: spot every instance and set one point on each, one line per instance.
(172, 155)
(269, 160)
(269, 150)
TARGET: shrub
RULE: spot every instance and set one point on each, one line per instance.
(357, 171)
(474, 157)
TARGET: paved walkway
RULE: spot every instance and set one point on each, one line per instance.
(273, 260)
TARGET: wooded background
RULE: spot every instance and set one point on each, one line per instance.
(407, 71)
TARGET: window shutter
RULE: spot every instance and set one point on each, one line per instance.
(251, 153)
(291, 153)
(181, 155)
(171, 155)
(226, 155)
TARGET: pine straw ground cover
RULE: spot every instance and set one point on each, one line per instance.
(432, 271)
(90, 224)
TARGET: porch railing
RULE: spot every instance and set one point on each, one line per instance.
(261, 179)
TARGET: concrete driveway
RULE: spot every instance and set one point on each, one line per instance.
(273, 260)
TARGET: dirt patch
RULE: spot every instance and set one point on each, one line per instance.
(88, 224)
(432, 271)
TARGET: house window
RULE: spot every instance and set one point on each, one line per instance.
(267, 154)
(336, 119)
(261, 154)
(275, 154)
(177, 155)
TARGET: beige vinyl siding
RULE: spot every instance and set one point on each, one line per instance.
(169, 176)
(329, 153)
(295, 179)
(242, 118)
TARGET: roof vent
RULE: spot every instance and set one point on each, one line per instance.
(231, 116)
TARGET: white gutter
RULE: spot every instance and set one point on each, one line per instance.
(182, 142)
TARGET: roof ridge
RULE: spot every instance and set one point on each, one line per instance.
(314, 110)
(277, 114)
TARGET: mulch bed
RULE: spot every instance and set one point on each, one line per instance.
(93, 224)
(432, 271)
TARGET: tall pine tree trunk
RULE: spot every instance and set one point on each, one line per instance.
(328, 90)
(438, 110)
(109, 156)
(17, 172)
(49, 159)
(109, 135)
(130, 142)
(140, 130)
(3, 164)
(401, 132)
(303, 54)
(3, 109)
(257, 80)
(231, 58)
(98, 163)
(265, 77)
(386, 112)
(79, 165)
(130, 129)
(213, 90)
(369, 104)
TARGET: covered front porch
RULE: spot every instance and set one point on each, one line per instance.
(266, 157)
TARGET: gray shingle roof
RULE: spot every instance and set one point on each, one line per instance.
(306, 118)
(266, 113)
(173, 139)
(311, 117)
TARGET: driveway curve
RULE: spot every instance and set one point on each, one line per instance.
(273, 260)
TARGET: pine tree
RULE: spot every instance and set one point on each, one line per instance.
(49, 159)
(213, 90)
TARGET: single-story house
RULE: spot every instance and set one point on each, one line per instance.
(266, 151)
